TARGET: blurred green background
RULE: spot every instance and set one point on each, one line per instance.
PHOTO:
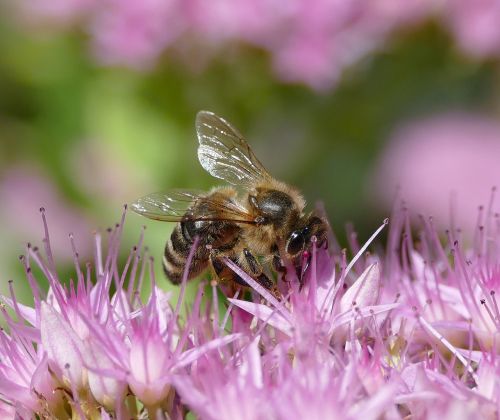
(81, 138)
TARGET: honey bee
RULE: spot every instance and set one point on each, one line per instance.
(264, 224)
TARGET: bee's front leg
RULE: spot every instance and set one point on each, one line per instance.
(279, 267)
(277, 262)
(301, 265)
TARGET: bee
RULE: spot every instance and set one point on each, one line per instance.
(263, 222)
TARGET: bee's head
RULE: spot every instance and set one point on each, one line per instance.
(300, 239)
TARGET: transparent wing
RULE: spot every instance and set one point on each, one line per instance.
(225, 154)
(177, 205)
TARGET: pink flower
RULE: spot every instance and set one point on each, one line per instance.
(444, 165)
(108, 391)
(393, 335)
(475, 25)
(64, 348)
(322, 310)
(60, 12)
(90, 344)
(22, 192)
(309, 42)
(134, 33)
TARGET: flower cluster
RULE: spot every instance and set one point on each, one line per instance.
(310, 41)
(409, 333)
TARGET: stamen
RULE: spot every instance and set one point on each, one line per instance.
(331, 295)
(121, 283)
(35, 289)
(343, 276)
(215, 309)
(259, 289)
(54, 283)
(352, 238)
(98, 254)
(193, 319)
(313, 282)
(488, 310)
(495, 305)
(75, 258)
(143, 264)
(12, 350)
(449, 346)
(185, 275)
(46, 242)
(14, 301)
(466, 297)
(133, 271)
(228, 312)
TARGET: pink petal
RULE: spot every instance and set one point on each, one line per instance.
(265, 314)
(29, 314)
(18, 393)
(375, 407)
(149, 367)
(364, 291)
(251, 365)
(43, 383)
(190, 356)
(64, 348)
(487, 380)
(369, 311)
(7, 411)
(107, 391)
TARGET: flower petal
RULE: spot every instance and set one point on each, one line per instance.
(106, 390)
(64, 347)
(265, 314)
(364, 291)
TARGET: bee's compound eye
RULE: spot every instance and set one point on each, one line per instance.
(295, 243)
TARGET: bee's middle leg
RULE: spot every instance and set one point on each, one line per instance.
(248, 263)
(258, 274)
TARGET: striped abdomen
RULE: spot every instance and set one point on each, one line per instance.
(178, 247)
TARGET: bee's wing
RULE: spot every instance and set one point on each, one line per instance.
(225, 154)
(175, 205)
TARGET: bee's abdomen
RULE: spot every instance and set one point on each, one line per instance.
(176, 255)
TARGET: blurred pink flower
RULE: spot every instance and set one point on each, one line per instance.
(60, 12)
(224, 20)
(323, 38)
(22, 192)
(134, 33)
(475, 25)
(443, 164)
(310, 42)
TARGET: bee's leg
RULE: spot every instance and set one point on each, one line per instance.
(277, 263)
(301, 265)
(225, 276)
(224, 273)
(221, 271)
(279, 267)
(258, 274)
(253, 264)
